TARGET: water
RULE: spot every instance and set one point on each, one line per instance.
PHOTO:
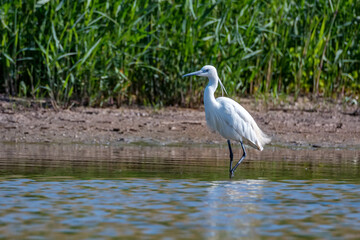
(132, 192)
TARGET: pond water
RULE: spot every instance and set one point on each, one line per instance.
(50, 191)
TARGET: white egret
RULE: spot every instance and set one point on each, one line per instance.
(228, 118)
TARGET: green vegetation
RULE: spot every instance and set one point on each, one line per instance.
(96, 52)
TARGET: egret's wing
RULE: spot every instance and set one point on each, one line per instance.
(236, 117)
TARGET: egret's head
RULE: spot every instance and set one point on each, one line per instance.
(210, 72)
(206, 71)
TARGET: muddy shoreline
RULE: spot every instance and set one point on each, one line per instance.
(303, 124)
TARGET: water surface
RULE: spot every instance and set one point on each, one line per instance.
(151, 192)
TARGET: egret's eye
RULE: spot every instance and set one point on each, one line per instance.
(205, 70)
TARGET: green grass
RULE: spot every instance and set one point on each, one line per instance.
(96, 52)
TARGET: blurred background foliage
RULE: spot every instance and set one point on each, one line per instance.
(100, 52)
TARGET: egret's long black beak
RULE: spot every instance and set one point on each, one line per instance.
(192, 74)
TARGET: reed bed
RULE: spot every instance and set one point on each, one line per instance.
(96, 52)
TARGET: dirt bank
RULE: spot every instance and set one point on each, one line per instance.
(300, 124)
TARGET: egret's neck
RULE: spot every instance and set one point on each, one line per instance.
(209, 98)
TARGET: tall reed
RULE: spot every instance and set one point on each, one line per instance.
(97, 52)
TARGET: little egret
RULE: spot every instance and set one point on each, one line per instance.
(228, 118)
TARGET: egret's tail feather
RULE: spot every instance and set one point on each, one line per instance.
(263, 139)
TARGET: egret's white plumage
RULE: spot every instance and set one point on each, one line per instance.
(227, 117)
(233, 122)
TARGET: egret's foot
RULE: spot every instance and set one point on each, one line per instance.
(231, 173)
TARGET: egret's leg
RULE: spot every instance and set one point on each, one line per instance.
(231, 155)
(241, 159)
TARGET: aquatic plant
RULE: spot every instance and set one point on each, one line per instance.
(97, 52)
